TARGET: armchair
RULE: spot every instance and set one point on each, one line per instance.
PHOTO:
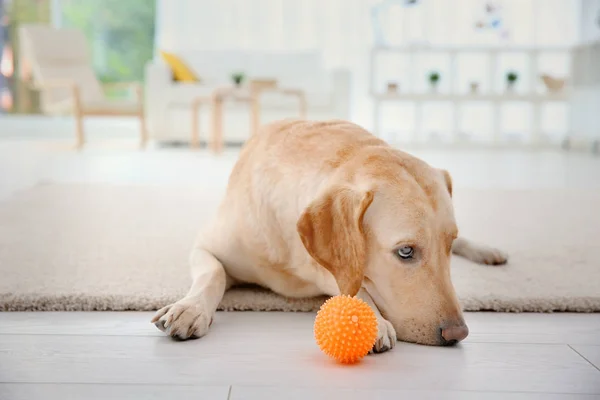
(55, 62)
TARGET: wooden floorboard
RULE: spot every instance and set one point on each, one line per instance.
(303, 393)
(590, 353)
(35, 391)
(485, 327)
(277, 350)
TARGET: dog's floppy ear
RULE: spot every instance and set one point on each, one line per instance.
(448, 180)
(331, 229)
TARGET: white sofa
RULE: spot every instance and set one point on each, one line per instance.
(168, 103)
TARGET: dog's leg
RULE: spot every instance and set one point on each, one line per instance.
(478, 253)
(191, 316)
(386, 334)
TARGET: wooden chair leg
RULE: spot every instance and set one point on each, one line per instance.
(78, 113)
(195, 140)
(217, 134)
(303, 106)
(143, 131)
(80, 136)
(255, 112)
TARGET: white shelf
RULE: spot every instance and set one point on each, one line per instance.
(416, 48)
(505, 97)
(457, 99)
(585, 124)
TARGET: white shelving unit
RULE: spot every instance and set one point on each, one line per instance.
(533, 96)
(585, 99)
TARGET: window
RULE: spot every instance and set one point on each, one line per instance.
(14, 95)
(120, 34)
(6, 60)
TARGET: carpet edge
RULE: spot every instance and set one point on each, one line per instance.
(264, 300)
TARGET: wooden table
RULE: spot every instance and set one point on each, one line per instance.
(217, 99)
(251, 97)
(299, 94)
(196, 103)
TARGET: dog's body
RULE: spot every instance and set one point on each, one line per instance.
(318, 208)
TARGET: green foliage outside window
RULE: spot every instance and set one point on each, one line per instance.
(17, 12)
(120, 34)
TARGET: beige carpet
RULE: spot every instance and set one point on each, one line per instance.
(104, 247)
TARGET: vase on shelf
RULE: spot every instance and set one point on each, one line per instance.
(553, 84)
(474, 87)
(392, 88)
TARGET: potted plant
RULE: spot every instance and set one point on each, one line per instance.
(238, 78)
(511, 79)
(434, 78)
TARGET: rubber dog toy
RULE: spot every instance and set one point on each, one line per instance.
(345, 328)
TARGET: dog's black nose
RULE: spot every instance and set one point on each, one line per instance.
(452, 334)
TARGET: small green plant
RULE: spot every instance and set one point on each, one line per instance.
(434, 78)
(238, 78)
(511, 77)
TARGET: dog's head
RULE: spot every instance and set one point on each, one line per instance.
(386, 223)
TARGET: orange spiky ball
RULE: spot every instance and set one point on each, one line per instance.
(346, 328)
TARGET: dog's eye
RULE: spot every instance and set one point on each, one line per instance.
(406, 252)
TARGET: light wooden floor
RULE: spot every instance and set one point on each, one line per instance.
(273, 355)
(250, 355)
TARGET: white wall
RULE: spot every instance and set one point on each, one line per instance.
(341, 29)
(586, 94)
(334, 26)
(590, 20)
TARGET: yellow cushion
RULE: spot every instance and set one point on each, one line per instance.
(181, 72)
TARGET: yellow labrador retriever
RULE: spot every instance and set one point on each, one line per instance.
(318, 208)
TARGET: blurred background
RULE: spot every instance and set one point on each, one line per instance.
(465, 73)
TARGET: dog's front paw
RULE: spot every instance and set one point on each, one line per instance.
(186, 319)
(386, 336)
